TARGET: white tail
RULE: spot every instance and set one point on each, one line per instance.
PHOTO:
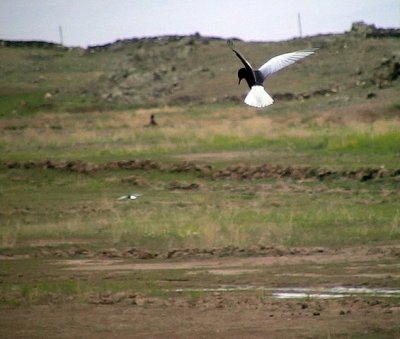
(258, 97)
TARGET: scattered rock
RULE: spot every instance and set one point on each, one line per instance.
(134, 180)
(139, 254)
(387, 71)
(176, 185)
(360, 28)
(111, 253)
(326, 92)
(254, 250)
(235, 172)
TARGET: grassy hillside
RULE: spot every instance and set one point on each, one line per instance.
(335, 113)
(342, 101)
(181, 70)
(304, 193)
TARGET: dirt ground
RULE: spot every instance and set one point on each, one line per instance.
(212, 296)
(272, 320)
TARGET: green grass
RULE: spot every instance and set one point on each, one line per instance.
(58, 206)
(22, 103)
(342, 131)
(49, 210)
(387, 143)
(44, 283)
(38, 281)
(112, 135)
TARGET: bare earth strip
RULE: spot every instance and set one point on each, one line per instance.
(219, 313)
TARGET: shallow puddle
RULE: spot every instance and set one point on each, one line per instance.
(304, 292)
(333, 292)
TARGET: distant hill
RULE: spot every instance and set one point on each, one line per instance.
(184, 69)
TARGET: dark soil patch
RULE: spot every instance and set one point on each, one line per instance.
(239, 171)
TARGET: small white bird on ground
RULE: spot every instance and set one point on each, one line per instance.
(258, 97)
(131, 196)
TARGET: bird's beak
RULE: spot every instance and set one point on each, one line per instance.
(239, 81)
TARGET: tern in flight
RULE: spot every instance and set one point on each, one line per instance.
(257, 96)
(131, 196)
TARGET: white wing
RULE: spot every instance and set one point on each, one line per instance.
(281, 61)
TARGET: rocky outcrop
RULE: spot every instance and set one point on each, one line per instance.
(360, 28)
(30, 44)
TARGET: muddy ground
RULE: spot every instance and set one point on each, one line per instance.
(194, 293)
(239, 171)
